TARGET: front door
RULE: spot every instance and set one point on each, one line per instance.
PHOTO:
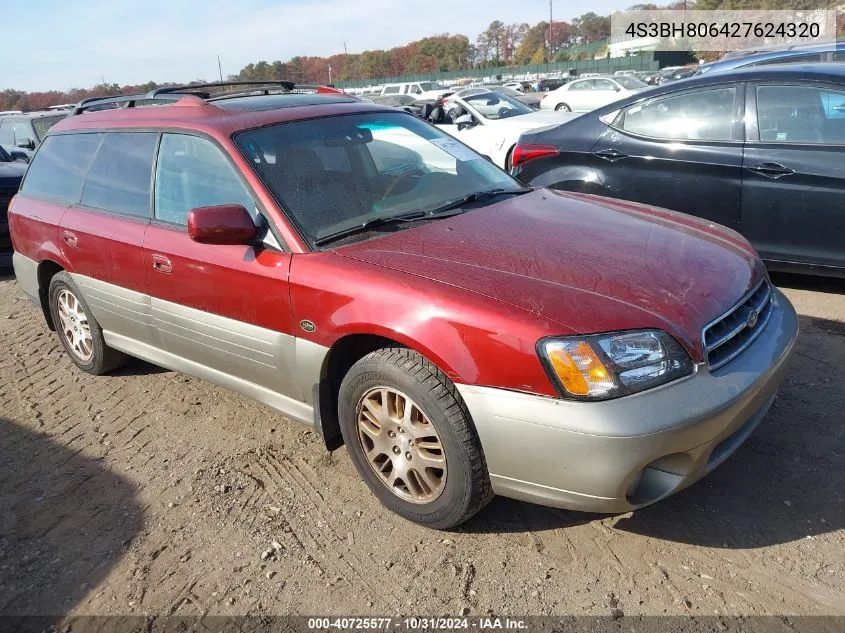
(681, 151)
(793, 184)
(222, 311)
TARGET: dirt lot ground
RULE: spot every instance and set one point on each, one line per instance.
(149, 492)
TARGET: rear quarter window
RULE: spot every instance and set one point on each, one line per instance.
(58, 170)
(121, 173)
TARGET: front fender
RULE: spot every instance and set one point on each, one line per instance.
(472, 338)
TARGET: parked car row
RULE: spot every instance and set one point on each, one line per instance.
(757, 149)
(369, 275)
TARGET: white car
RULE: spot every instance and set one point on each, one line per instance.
(420, 90)
(583, 95)
(491, 123)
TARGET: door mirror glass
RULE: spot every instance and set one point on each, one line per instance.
(221, 224)
(464, 121)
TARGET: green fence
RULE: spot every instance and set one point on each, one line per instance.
(604, 65)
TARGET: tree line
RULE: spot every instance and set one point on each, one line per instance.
(498, 45)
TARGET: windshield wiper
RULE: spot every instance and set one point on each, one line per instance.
(475, 197)
(370, 223)
(417, 215)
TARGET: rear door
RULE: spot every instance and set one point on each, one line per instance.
(101, 235)
(682, 151)
(793, 184)
(221, 311)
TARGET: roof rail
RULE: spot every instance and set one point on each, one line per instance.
(192, 88)
(108, 103)
(170, 94)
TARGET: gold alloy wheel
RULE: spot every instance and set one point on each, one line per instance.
(401, 445)
(74, 326)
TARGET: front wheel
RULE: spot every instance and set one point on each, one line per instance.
(412, 440)
(562, 107)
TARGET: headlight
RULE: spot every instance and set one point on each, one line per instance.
(604, 366)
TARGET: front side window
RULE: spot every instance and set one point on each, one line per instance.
(801, 114)
(119, 178)
(59, 168)
(430, 85)
(604, 84)
(705, 115)
(493, 105)
(23, 133)
(193, 172)
(398, 165)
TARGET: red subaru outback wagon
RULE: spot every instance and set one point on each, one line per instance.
(356, 269)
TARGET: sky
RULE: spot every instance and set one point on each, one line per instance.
(60, 45)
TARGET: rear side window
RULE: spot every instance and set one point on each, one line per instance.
(7, 135)
(58, 170)
(193, 172)
(120, 176)
(391, 90)
(704, 115)
(44, 123)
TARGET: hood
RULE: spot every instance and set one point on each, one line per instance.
(590, 264)
(540, 118)
(11, 174)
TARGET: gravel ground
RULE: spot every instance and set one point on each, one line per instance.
(150, 492)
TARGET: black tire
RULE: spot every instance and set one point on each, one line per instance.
(562, 107)
(467, 487)
(103, 358)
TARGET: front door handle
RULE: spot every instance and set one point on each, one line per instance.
(610, 155)
(771, 170)
(69, 239)
(161, 264)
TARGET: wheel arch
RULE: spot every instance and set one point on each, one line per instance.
(47, 269)
(342, 355)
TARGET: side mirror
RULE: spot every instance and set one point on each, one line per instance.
(26, 144)
(221, 224)
(19, 157)
(464, 121)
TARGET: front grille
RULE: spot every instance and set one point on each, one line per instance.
(728, 336)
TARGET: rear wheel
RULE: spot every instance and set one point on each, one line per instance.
(412, 440)
(562, 107)
(78, 330)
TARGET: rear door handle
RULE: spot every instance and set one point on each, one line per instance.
(162, 264)
(610, 155)
(69, 238)
(771, 170)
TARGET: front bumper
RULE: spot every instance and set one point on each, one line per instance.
(622, 454)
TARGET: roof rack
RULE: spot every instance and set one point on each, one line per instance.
(170, 94)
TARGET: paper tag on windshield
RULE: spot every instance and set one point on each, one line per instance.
(455, 148)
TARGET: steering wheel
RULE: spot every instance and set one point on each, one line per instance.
(401, 178)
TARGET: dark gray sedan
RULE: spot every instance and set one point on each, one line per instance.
(759, 150)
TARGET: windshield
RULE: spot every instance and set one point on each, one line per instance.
(492, 105)
(505, 90)
(334, 173)
(44, 123)
(630, 83)
(430, 85)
